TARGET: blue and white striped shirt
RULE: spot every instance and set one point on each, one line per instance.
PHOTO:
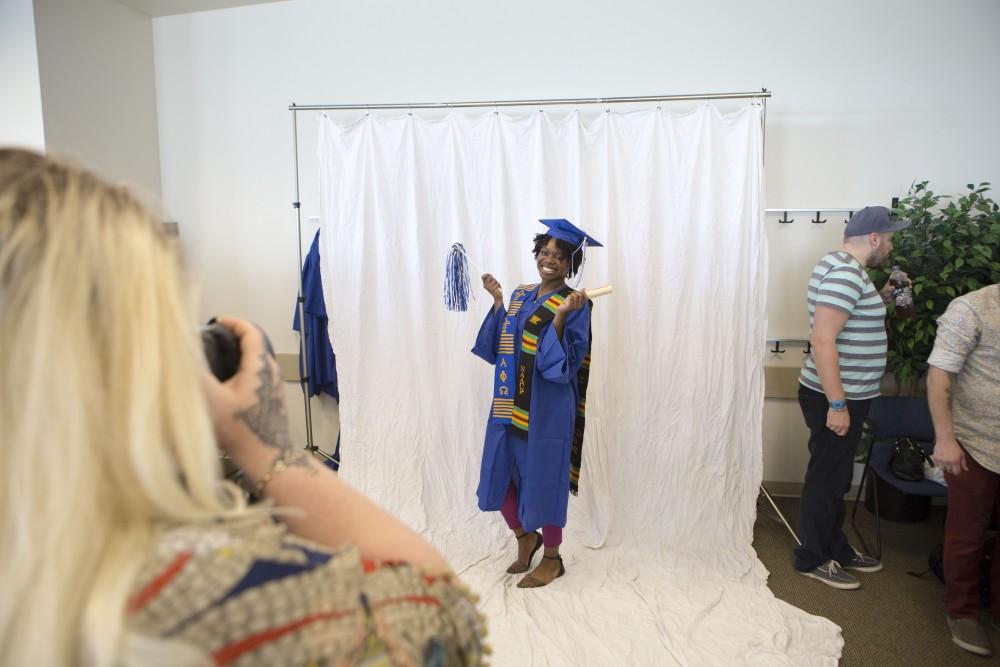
(840, 281)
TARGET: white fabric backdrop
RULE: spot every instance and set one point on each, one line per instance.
(660, 568)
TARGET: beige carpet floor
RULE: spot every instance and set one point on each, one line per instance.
(894, 618)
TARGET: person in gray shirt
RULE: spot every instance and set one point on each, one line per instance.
(963, 389)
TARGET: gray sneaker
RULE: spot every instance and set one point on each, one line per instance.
(863, 563)
(831, 574)
(970, 635)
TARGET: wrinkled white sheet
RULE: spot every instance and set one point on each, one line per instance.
(660, 568)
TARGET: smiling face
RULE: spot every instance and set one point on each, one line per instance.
(552, 261)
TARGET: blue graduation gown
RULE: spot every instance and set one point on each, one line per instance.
(322, 371)
(539, 465)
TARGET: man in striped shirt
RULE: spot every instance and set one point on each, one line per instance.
(838, 380)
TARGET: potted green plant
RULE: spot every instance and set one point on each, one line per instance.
(952, 248)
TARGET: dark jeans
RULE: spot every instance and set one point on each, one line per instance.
(828, 479)
(972, 496)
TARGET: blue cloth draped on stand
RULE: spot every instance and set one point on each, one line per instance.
(322, 371)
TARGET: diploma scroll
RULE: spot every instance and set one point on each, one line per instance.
(600, 291)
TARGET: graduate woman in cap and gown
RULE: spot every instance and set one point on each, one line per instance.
(540, 347)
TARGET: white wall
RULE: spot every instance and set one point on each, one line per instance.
(868, 97)
(98, 90)
(21, 121)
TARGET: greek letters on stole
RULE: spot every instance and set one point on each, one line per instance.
(512, 386)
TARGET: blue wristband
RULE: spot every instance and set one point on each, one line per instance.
(838, 406)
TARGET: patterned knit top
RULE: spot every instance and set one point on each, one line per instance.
(251, 593)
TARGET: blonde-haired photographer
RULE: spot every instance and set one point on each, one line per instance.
(121, 543)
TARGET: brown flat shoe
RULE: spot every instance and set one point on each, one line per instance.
(531, 582)
(517, 566)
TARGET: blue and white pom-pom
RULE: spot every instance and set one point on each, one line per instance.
(457, 285)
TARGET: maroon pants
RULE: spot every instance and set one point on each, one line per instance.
(972, 497)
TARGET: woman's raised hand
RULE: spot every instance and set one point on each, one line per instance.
(248, 409)
(492, 285)
(574, 301)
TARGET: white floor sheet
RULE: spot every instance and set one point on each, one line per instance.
(660, 568)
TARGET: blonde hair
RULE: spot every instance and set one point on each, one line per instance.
(106, 431)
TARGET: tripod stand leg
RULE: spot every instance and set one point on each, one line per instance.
(316, 450)
(780, 515)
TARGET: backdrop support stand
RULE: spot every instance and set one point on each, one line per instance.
(781, 516)
(311, 445)
(762, 95)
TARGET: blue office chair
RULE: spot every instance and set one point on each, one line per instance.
(895, 417)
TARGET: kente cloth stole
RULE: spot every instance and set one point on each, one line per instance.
(512, 387)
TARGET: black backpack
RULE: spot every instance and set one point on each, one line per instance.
(907, 460)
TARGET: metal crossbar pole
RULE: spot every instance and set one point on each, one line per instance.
(762, 94)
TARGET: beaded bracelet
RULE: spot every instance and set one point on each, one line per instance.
(279, 465)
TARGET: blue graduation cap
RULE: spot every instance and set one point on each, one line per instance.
(563, 229)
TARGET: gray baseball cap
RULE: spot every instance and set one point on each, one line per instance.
(874, 219)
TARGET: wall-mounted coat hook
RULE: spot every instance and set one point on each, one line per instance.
(785, 220)
(777, 348)
(808, 348)
(817, 221)
(850, 214)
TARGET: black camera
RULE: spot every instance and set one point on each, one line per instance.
(222, 349)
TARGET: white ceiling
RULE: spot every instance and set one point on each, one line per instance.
(168, 7)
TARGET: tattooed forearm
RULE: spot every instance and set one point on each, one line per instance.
(267, 418)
